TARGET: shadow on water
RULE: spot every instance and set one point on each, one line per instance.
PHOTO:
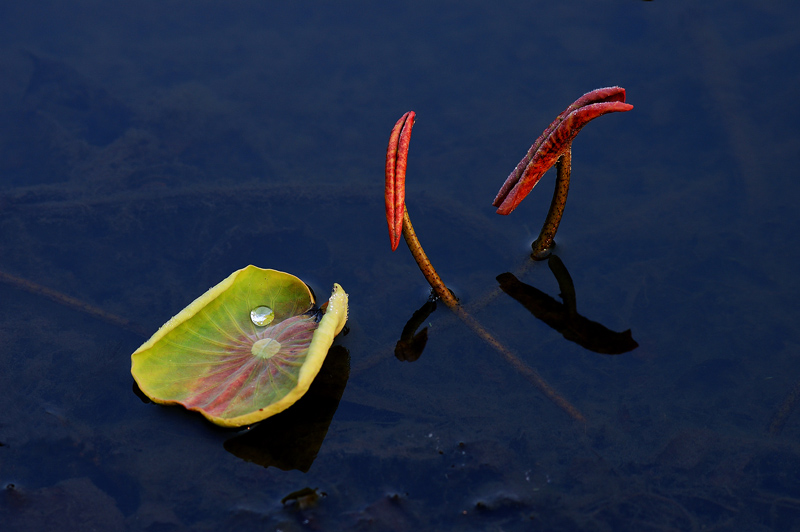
(292, 439)
(564, 317)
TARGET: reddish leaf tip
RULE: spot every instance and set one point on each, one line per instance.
(551, 144)
(395, 185)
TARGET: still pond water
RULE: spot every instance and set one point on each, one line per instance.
(147, 150)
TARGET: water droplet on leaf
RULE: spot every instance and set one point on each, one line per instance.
(262, 316)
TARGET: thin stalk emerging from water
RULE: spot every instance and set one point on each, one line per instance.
(544, 244)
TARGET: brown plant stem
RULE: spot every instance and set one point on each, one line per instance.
(447, 297)
(544, 243)
(439, 288)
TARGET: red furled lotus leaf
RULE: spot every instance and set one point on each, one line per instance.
(554, 141)
(395, 188)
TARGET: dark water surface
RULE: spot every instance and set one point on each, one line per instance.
(147, 150)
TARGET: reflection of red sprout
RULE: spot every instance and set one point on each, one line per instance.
(555, 146)
(399, 222)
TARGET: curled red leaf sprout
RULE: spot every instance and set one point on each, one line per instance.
(555, 140)
(396, 163)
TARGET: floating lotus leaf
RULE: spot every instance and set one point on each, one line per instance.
(245, 350)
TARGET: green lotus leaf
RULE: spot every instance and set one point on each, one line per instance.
(245, 350)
